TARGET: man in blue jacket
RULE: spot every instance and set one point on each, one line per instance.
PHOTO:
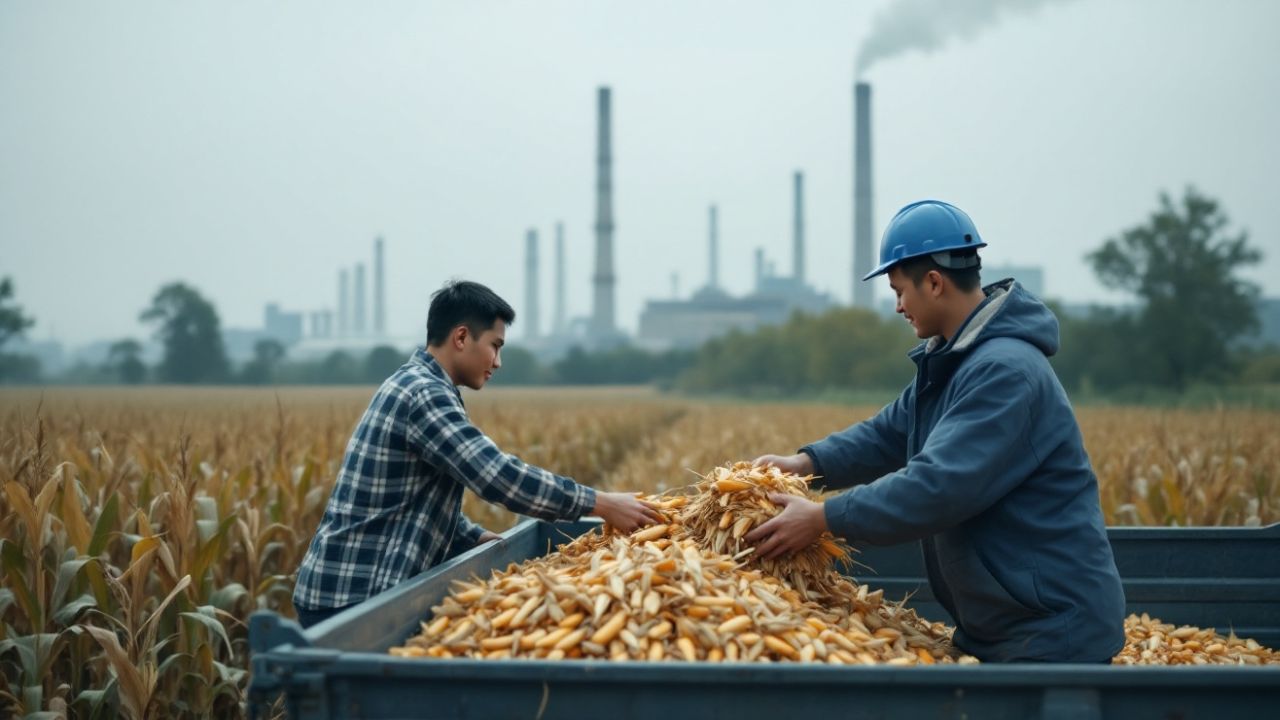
(981, 458)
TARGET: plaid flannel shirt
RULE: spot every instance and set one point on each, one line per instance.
(396, 508)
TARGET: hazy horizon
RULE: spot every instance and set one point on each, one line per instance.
(254, 150)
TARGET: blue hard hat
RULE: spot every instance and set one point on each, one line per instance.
(925, 228)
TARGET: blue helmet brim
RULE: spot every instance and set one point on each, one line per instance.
(884, 268)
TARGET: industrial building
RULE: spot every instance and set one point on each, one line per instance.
(357, 326)
(712, 312)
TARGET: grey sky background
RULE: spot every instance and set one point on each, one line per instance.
(253, 149)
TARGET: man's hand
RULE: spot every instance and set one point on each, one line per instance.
(798, 526)
(798, 464)
(624, 511)
(488, 537)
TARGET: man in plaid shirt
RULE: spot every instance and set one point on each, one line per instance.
(396, 508)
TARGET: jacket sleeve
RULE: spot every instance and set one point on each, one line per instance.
(865, 451)
(978, 452)
(438, 429)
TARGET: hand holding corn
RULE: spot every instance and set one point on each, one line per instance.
(798, 464)
(624, 511)
(800, 524)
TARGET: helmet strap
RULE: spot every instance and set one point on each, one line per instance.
(957, 261)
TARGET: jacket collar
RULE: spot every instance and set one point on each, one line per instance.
(977, 321)
(943, 357)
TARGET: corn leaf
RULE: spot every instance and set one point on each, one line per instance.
(69, 613)
(66, 575)
(211, 623)
(96, 699)
(135, 695)
(211, 549)
(36, 653)
(232, 599)
(20, 501)
(148, 628)
(107, 520)
(142, 548)
(14, 562)
(73, 518)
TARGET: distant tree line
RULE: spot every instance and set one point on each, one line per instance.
(1181, 265)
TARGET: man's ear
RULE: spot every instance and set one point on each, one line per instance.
(459, 337)
(935, 283)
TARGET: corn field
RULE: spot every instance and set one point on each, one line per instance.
(141, 528)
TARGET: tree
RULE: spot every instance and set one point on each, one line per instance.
(622, 365)
(188, 327)
(844, 349)
(124, 358)
(519, 367)
(13, 367)
(338, 367)
(261, 370)
(19, 369)
(12, 322)
(1095, 350)
(381, 362)
(1182, 266)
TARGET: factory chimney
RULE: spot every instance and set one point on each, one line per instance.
(531, 322)
(557, 319)
(797, 230)
(379, 292)
(759, 268)
(357, 321)
(713, 242)
(863, 295)
(602, 311)
(344, 304)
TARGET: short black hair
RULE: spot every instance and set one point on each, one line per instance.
(462, 302)
(965, 279)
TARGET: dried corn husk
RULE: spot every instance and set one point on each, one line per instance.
(732, 500)
(682, 591)
(1148, 641)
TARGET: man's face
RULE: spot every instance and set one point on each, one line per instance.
(480, 355)
(915, 302)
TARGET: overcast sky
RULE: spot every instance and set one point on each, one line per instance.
(252, 149)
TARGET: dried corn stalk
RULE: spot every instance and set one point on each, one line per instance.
(1151, 642)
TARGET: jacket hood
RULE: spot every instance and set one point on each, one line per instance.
(1009, 311)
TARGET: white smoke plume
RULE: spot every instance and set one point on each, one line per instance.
(928, 24)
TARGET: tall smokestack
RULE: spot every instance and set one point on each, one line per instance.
(797, 230)
(759, 267)
(344, 304)
(379, 292)
(532, 322)
(602, 317)
(863, 295)
(713, 243)
(358, 326)
(675, 286)
(557, 319)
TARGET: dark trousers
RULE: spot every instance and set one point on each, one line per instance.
(307, 618)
